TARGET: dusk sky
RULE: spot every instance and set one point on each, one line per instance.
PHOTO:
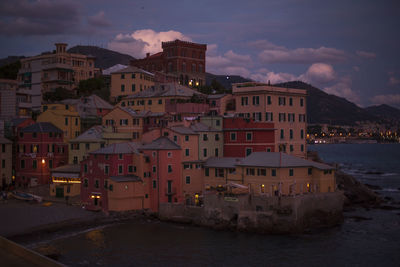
(347, 48)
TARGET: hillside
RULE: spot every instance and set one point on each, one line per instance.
(104, 58)
(225, 80)
(385, 112)
(331, 109)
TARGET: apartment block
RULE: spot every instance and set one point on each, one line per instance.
(285, 107)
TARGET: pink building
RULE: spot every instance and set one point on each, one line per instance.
(40, 148)
(113, 178)
(244, 136)
(221, 104)
(166, 171)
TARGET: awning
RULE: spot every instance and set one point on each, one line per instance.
(237, 185)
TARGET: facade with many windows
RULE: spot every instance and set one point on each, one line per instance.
(284, 107)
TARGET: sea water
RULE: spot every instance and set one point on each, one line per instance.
(374, 241)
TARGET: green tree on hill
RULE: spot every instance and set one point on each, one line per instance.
(10, 71)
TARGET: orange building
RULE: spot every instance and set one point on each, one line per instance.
(285, 107)
(129, 81)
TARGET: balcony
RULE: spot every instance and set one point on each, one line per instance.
(62, 66)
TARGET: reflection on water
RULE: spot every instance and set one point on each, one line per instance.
(373, 242)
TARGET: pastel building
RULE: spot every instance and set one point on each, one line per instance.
(128, 81)
(211, 140)
(245, 136)
(116, 178)
(165, 159)
(63, 116)
(65, 181)
(186, 61)
(271, 174)
(6, 157)
(93, 139)
(221, 104)
(8, 99)
(91, 109)
(171, 98)
(40, 148)
(285, 107)
(51, 70)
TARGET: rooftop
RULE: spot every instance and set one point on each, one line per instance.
(201, 127)
(133, 69)
(70, 168)
(164, 90)
(161, 143)
(88, 105)
(41, 127)
(278, 159)
(114, 68)
(94, 134)
(119, 148)
(182, 130)
(4, 141)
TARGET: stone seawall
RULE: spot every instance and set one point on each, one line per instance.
(260, 214)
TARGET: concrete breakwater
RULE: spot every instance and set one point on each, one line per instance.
(276, 215)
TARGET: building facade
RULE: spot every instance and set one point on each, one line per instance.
(184, 60)
(129, 81)
(48, 71)
(6, 158)
(245, 136)
(285, 107)
(40, 148)
(8, 99)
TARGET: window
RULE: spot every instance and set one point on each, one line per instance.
(273, 172)
(282, 117)
(159, 101)
(187, 179)
(85, 168)
(301, 102)
(249, 136)
(105, 184)
(205, 152)
(106, 169)
(216, 152)
(85, 183)
(302, 148)
(66, 121)
(75, 160)
(291, 133)
(207, 172)
(133, 76)
(96, 183)
(154, 168)
(249, 150)
(233, 136)
(309, 171)
(205, 137)
(34, 164)
(186, 137)
(217, 122)
(23, 164)
(216, 137)
(302, 134)
(282, 133)
(154, 184)
(130, 168)
(291, 172)
(133, 87)
(291, 148)
(262, 172)
(250, 171)
(219, 172)
(3, 163)
(122, 76)
(111, 187)
(120, 156)
(245, 101)
(269, 116)
(120, 169)
(290, 101)
(3, 148)
(169, 168)
(291, 117)
(256, 100)
(76, 121)
(269, 102)
(87, 146)
(122, 87)
(187, 152)
(149, 102)
(169, 154)
(175, 138)
(282, 101)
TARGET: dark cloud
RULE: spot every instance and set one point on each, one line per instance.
(45, 17)
(99, 20)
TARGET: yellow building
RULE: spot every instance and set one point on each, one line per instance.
(65, 181)
(6, 162)
(65, 117)
(161, 98)
(95, 138)
(129, 81)
(271, 174)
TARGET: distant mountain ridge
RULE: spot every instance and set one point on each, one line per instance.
(105, 58)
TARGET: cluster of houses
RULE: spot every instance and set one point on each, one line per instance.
(165, 142)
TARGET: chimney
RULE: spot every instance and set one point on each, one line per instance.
(147, 55)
